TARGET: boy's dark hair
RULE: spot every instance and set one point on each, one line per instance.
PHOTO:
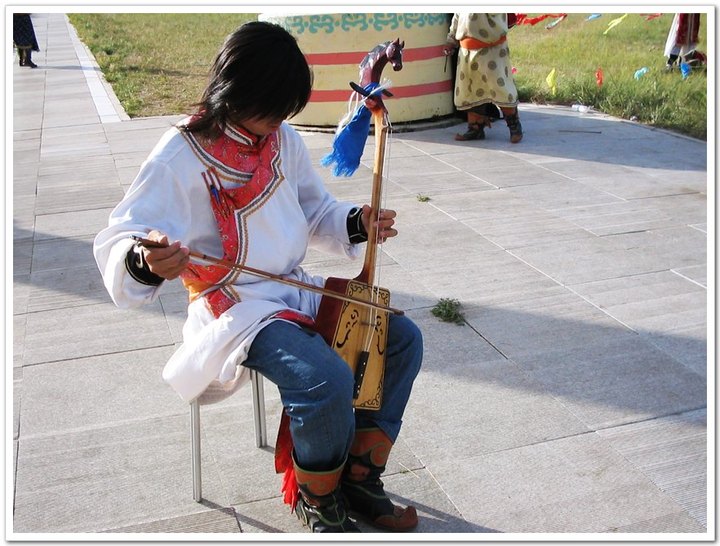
(259, 72)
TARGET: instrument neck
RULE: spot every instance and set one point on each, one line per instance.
(367, 275)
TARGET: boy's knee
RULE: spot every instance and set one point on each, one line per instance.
(415, 335)
(411, 336)
(334, 383)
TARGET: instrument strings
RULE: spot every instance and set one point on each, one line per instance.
(383, 198)
(375, 288)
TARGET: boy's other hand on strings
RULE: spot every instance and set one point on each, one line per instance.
(384, 223)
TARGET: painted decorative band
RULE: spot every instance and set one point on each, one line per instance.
(353, 22)
(355, 57)
(401, 92)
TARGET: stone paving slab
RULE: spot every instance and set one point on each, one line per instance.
(359, 190)
(663, 314)
(501, 407)
(561, 194)
(410, 246)
(614, 383)
(219, 520)
(19, 323)
(630, 299)
(70, 163)
(580, 261)
(76, 332)
(100, 479)
(643, 186)
(68, 225)
(577, 482)
(76, 198)
(528, 228)
(572, 400)
(671, 451)
(141, 140)
(688, 346)
(616, 218)
(673, 523)
(50, 406)
(454, 182)
(68, 287)
(25, 220)
(55, 254)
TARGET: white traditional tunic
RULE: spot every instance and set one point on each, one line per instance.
(270, 211)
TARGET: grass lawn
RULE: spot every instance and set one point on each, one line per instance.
(576, 48)
(158, 63)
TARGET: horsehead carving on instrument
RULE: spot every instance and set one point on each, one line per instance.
(372, 65)
(374, 62)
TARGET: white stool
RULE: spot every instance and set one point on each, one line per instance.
(260, 430)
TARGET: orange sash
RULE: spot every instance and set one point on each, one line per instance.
(472, 43)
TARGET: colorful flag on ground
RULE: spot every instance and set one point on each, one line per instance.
(556, 22)
(640, 72)
(552, 81)
(614, 23)
(523, 19)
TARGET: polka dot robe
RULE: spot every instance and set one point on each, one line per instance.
(483, 75)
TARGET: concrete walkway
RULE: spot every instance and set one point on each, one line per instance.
(573, 400)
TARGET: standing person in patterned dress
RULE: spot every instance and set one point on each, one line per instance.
(235, 180)
(484, 77)
(24, 38)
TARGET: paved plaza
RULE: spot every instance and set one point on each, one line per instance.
(573, 399)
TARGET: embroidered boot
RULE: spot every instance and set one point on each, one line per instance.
(513, 123)
(321, 506)
(476, 127)
(363, 488)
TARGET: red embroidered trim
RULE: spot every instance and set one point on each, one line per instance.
(241, 158)
(294, 316)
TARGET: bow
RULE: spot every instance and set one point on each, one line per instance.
(147, 243)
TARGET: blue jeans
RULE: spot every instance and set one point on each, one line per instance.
(316, 387)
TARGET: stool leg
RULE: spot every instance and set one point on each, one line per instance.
(195, 443)
(259, 408)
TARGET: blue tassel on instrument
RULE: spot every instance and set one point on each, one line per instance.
(349, 142)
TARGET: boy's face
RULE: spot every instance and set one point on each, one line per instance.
(261, 126)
